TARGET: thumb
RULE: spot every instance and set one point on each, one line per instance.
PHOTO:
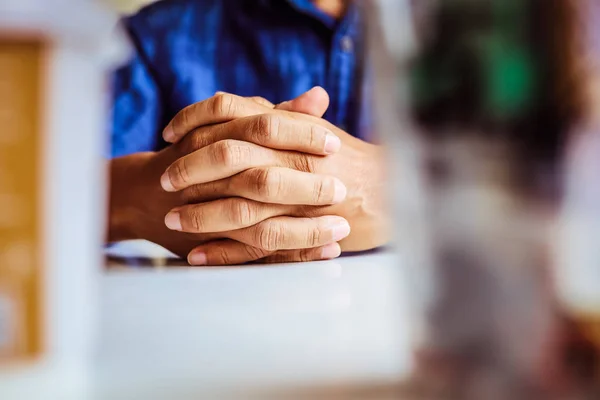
(313, 102)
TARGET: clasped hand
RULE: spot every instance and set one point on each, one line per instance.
(246, 180)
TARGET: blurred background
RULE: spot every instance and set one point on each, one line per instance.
(486, 116)
(127, 6)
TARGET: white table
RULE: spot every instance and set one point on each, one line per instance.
(332, 329)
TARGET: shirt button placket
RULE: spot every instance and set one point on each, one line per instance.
(344, 72)
(347, 44)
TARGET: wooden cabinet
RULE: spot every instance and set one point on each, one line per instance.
(21, 260)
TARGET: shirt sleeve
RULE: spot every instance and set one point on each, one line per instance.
(136, 104)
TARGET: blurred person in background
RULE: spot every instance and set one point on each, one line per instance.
(240, 132)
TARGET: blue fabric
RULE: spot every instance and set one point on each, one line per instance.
(185, 50)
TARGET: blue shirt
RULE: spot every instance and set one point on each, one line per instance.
(186, 50)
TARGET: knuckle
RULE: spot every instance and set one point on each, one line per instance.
(305, 163)
(280, 257)
(270, 236)
(315, 236)
(274, 126)
(322, 191)
(179, 173)
(194, 218)
(241, 212)
(306, 255)
(223, 105)
(228, 153)
(269, 183)
(314, 134)
(261, 100)
(184, 118)
(221, 151)
(254, 253)
(266, 128)
(222, 255)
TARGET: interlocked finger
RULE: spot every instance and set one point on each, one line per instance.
(272, 185)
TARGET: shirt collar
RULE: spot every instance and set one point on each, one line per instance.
(307, 7)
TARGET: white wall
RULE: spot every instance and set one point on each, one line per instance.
(127, 6)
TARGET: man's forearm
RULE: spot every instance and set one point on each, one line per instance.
(123, 173)
(365, 206)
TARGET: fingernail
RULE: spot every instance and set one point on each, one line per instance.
(340, 230)
(173, 221)
(165, 182)
(332, 143)
(218, 92)
(169, 134)
(339, 191)
(197, 258)
(330, 251)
